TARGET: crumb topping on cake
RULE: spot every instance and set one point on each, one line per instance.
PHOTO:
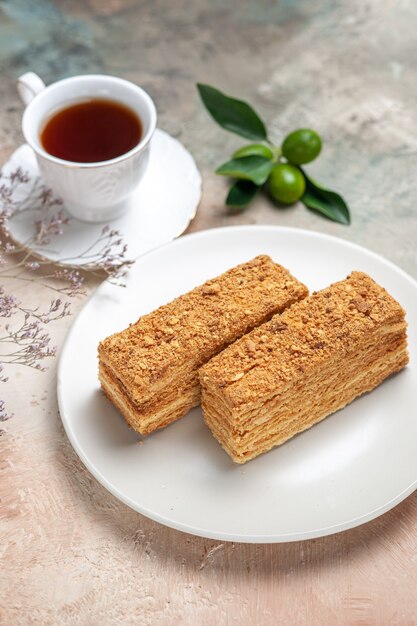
(202, 322)
(307, 333)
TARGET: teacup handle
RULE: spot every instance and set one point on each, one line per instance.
(28, 86)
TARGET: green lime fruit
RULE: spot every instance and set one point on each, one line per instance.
(257, 149)
(301, 146)
(286, 183)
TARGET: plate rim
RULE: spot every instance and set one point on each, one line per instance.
(201, 532)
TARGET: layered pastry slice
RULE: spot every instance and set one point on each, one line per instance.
(299, 367)
(150, 370)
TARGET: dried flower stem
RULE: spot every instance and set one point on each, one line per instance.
(25, 342)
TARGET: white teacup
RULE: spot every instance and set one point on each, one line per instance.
(93, 192)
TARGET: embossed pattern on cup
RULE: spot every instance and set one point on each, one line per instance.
(104, 189)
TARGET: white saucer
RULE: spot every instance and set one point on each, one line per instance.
(162, 206)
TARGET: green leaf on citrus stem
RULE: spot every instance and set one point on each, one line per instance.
(258, 149)
(241, 193)
(254, 168)
(326, 202)
(234, 115)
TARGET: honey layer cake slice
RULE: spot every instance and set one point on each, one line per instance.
(303, 365)
(150, 370)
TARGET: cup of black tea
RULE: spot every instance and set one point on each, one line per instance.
(91, 136)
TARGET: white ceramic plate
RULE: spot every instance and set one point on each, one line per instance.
(347, 470)
(162, 206)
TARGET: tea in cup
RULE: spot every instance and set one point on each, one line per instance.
(91, 136)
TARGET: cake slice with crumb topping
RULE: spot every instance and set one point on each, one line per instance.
(303, 365)
(150, 370)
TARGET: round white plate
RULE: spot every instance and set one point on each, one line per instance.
(162, 206)
(350, 468)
